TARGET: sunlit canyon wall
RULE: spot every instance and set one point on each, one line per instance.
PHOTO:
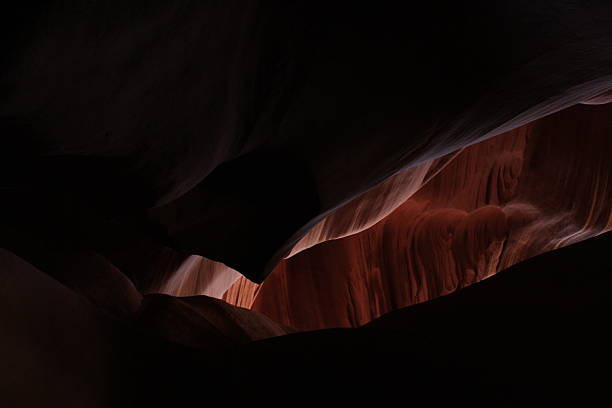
(486, 210)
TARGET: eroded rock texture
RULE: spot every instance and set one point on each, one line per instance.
(78, 335)
(535, 332)
(200, 125)
(532, 335)
(201, 276)
(156, 146)
(484, 211)
(198, 276)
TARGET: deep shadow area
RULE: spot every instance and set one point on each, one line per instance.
(535, 334)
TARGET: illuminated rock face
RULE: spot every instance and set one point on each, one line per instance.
(530, 333)
(331, 145)
(524, 333)
(123, 119)
(201, 276)
(198, 276)
(373, 205)
(600, 99)
(486, 210)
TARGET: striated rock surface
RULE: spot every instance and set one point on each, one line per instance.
(200, 125)
(198, 276)
(531, 190)
(372, 206)
(532, 335)
(351, 155)
(534, 332)
(569, 281)
(601, 99)
(71, 334)
(201, 276)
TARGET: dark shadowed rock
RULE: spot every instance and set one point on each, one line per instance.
(200, 124)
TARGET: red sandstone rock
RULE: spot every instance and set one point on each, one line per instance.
(198, 276)
(532, 190)
(532, 335)
(123, 118)
(600, 99)
(135, 135)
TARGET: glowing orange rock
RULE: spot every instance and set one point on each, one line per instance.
(534, 189)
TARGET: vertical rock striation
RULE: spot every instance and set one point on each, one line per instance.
(534, 189)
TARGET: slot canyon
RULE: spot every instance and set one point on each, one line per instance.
(305, 203)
